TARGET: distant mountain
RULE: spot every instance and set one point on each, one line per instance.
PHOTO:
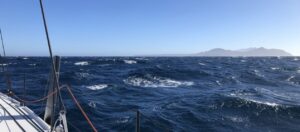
(245, 52)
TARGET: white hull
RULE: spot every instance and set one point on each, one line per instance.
(17, 118)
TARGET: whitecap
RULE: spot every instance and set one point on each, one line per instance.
(258, 73)
(92, 104)
(272, 104)
(32, 64)
(296, 59)
(156, 108)
(232, 94)
(25, 58)
(235, 79)
(141, 58)
(123, 120)
(237, 119)
(249, 97)
(240, 94)
(82, 75)
(202, 64)
(218, 82)
(290, 78)
(81, 63)
(275, 68)
(130, 61)
(97, 87)
(156, 82)
(243, 61)
(3, 64)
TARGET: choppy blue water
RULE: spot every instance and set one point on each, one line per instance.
(173, 94)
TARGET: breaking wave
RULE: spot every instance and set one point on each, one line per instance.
(156, 82)
(272, 104)
(275, 68)
(130, 61)
(92, 104)
(177, 93)
(81, 63)
(32, 64)
(202, 64)
(97, 87)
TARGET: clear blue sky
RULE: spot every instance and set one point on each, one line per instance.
(141, 27)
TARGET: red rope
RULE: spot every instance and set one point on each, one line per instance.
(74, 99)
(38, 100)
(81, 110)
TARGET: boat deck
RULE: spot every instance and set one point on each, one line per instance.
(17, 118)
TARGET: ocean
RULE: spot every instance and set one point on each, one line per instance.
(172, 93)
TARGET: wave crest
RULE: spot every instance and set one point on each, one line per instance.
(156, 82)
(130, 61)
(81, 63)
(97, 87)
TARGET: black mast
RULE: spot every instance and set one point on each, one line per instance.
(54, 69)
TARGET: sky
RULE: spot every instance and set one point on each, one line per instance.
(148, 27)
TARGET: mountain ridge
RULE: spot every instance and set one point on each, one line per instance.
(245, 52)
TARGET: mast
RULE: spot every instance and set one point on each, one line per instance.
(50, 110)
(52, 100)
(54, 87)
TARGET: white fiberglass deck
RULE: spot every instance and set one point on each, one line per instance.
(17, 118)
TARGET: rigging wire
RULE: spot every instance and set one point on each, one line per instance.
(4, 69)
(41, 99)
(43, 105)
(55, 73)
(3, 50)
(50, 52)
(62, 106)
(81, 109)
(4, 54)
(73, 98)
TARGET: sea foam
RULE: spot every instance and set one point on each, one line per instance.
(275, 68)
(156, 82)
(97, 87)
(81, 63)
(130, 61)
